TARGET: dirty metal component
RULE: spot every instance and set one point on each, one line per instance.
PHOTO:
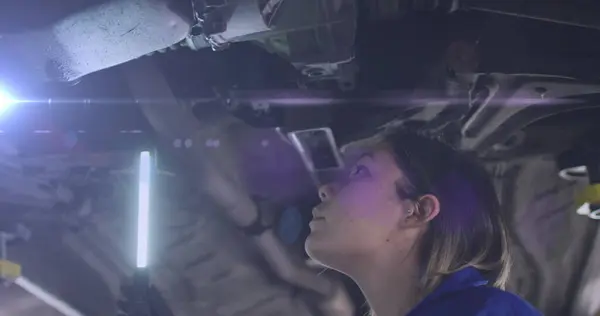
(20, 187)
(316, 36)
(39, 156)
(305, 109)
(98, 37)
(580, 162)
(26, 191)
(547, 231)
(512, 102)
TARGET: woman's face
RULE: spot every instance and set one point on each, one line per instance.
(362, 212)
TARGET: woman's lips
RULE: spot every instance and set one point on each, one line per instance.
(316, 221)
(317, 218)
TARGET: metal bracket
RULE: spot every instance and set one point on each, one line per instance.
(210, 20)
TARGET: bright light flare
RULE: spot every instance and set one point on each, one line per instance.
(143, 219)
(6, 100)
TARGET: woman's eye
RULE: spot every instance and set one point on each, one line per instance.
(359, 171)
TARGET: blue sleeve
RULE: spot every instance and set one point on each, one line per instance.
(506, 304)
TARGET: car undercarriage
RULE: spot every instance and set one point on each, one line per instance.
(98, 81)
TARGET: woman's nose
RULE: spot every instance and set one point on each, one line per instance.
(327, 191)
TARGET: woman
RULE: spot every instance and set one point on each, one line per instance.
(418, 227)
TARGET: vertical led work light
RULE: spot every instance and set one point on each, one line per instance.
(141, 277)
(143, 214)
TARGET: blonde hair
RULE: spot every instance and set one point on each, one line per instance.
(470, 230)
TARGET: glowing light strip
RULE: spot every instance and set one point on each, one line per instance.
(46, 297)
(143, 219)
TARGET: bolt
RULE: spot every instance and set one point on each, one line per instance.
(212, 143)
(264, 143)
(188, 143)
(541, 91)
(260, 106)
(177, 143)
(315, 72)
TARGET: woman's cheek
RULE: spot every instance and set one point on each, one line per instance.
(360, 201)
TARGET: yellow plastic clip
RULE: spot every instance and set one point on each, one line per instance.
(591, 195)
(9, 270)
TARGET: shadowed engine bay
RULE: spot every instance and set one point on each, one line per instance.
(98, 81)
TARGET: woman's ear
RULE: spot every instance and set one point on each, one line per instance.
(426, 208)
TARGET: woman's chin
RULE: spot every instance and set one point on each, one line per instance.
(312, 245)
(322, 251)
(318, 246)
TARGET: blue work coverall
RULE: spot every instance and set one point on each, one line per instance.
(467, 293)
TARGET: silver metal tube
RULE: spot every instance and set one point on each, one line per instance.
(46, 297)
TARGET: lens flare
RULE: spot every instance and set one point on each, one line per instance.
(6, 100)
